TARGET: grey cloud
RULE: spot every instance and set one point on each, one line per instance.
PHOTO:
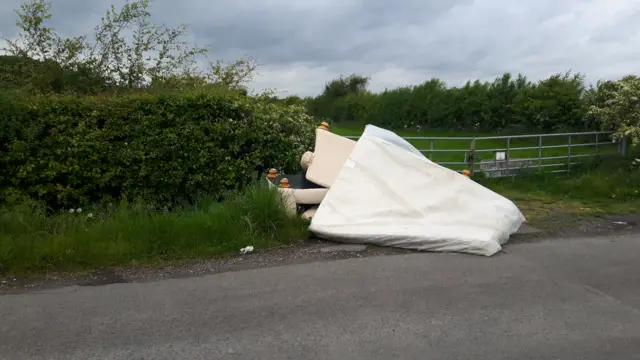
(349, 32)
(69, 17)
(301, 43)
(625, 27)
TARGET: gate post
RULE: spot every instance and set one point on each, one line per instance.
(624, 146)
(472, 157)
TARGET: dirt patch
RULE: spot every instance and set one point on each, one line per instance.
(569, 219)
(566, 225)
(103, 277)
(305, 252)
(555, 225)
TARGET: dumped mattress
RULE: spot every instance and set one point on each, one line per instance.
(387, 193)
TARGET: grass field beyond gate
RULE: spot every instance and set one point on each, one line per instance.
(448, 150)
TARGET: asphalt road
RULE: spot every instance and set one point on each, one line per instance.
(560, 299)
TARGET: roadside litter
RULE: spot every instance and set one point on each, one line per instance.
(381, 190)
(246, 250)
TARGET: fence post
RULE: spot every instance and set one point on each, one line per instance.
(619, 142)
(540, 154)
(624, 146)
(508, 158)
(472, 157)
(569, 156)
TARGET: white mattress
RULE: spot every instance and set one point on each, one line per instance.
(389, 194)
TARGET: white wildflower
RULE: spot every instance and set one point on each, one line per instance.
(90, 215)
(71, 211)
(79, 210)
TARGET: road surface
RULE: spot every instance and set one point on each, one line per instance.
(559, 299)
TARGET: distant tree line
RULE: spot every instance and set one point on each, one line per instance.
(559, 102)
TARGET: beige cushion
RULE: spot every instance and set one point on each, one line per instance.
(309, 196)
(289, 200)
(310, 213)
(330, 154)
(293, 197)
(306, 160)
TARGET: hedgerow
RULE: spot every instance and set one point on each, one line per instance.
(158, 148)
(556, 103)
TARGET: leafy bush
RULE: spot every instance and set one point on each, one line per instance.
(160, 148)
(616, 105)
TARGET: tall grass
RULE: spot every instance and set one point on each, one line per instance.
(607, 181)
(32, 241)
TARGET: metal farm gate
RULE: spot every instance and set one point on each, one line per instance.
(498, 156)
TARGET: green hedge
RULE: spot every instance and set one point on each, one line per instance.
(556, 103)
(159, 148)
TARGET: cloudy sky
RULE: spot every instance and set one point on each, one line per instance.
(302, 44)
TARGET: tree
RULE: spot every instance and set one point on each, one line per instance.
(617, 107)
(343, 86)
(153, 56)
(553, 103)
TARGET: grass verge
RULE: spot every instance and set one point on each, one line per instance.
(605, 185)
(32, 242)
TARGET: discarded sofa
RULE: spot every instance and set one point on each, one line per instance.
(381, 190)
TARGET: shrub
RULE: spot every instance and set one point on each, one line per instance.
(158, 148)
(617, 106)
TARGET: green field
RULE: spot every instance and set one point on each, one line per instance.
(445, 147)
